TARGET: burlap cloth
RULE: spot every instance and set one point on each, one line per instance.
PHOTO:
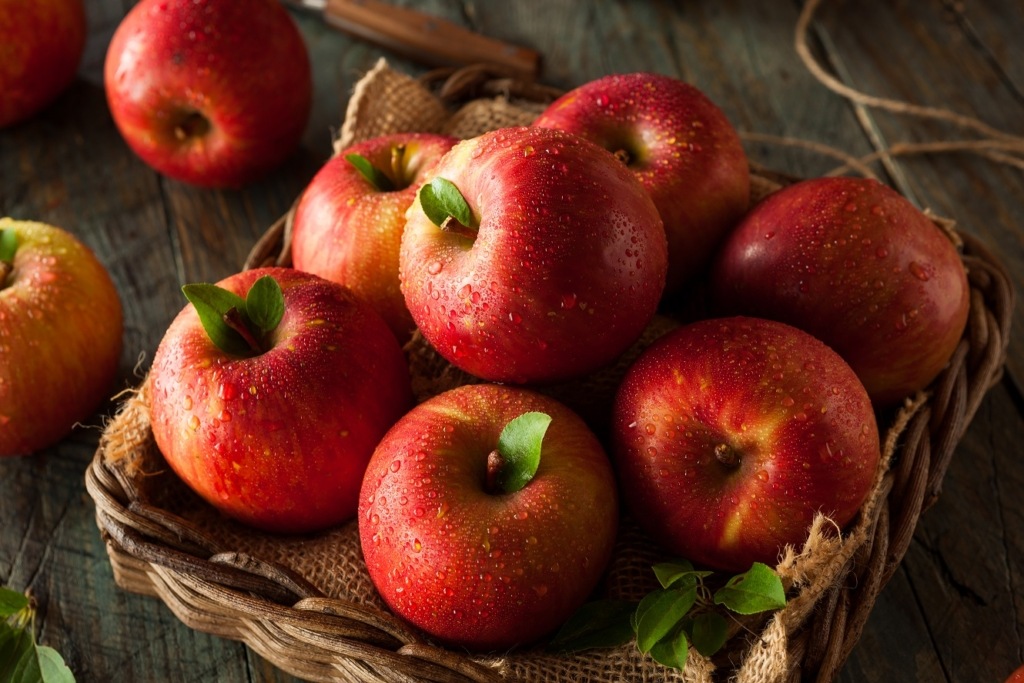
(385, 101)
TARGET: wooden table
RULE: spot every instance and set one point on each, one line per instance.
(955, 609)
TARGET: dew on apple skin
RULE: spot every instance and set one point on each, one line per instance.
(918, 271)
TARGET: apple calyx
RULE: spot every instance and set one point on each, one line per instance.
(447, 208)
(235, 325)
(512, 465)
(192, 125)
(8, 247)
(727, 456)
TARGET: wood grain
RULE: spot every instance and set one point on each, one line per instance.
(955, 609)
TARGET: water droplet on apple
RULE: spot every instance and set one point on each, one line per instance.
(918, 271)
(541, 590)
(434, 268)
(227, 391)
(531, 540)
(193, 423)
(521, 515)
(224, 416)
(419, 511)
(601, 100)
(851, 207)
(396, 465)
(417, 546)
(186, 403)
(555, 568)
(788, 401)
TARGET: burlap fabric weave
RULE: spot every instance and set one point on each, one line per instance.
(385, 101)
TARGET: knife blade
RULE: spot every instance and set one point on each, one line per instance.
(419, 36)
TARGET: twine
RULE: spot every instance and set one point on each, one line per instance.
(995, 145)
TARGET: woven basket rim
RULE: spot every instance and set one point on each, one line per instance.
(283, 618)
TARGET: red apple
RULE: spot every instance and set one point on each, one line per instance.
(348, 224)
(1017, 676)
(730, 434)
(276, 432)
(60, 334)
(679, 145)
(858, 266)
(211, 92)
(464, 557)
(42, 45)
(559, 269)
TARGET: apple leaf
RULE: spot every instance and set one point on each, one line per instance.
(709, 633)
(602, 623)
(371, 173)
(441, 200)
(264, 304)
(213, 304)
(11, 602)
(8, 244)
(678, 574)
(759, 589)
(519, 446)
(21, 659)
(672, 650)
(662, 612)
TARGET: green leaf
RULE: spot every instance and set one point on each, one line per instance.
(52, 666)
(212, 304)
(709, 633)
(440, 200)
(8, 244)
(672, 651)
(17, 654)
(759, 589)
(11, 602)
(520, 445)
(678, 574)
(373, 175)
(661, 614)
(264, 304)
(602, 623)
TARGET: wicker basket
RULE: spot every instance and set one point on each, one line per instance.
(306, 603)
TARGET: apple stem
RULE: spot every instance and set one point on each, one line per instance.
(5, 271)
(451, 225)
(495, 464)
(397, 160)
(727, 455)
(233, 319)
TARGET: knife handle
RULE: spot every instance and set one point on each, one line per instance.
(425, 38)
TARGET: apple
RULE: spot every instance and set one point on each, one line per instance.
(60, 334)
(1017, 676)
(730, 434)
(42, 46)
(348, 223)
(462, 541)
(211, 92)
(272, 418)
(680, 146)
(858, 266)
(553, 268)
